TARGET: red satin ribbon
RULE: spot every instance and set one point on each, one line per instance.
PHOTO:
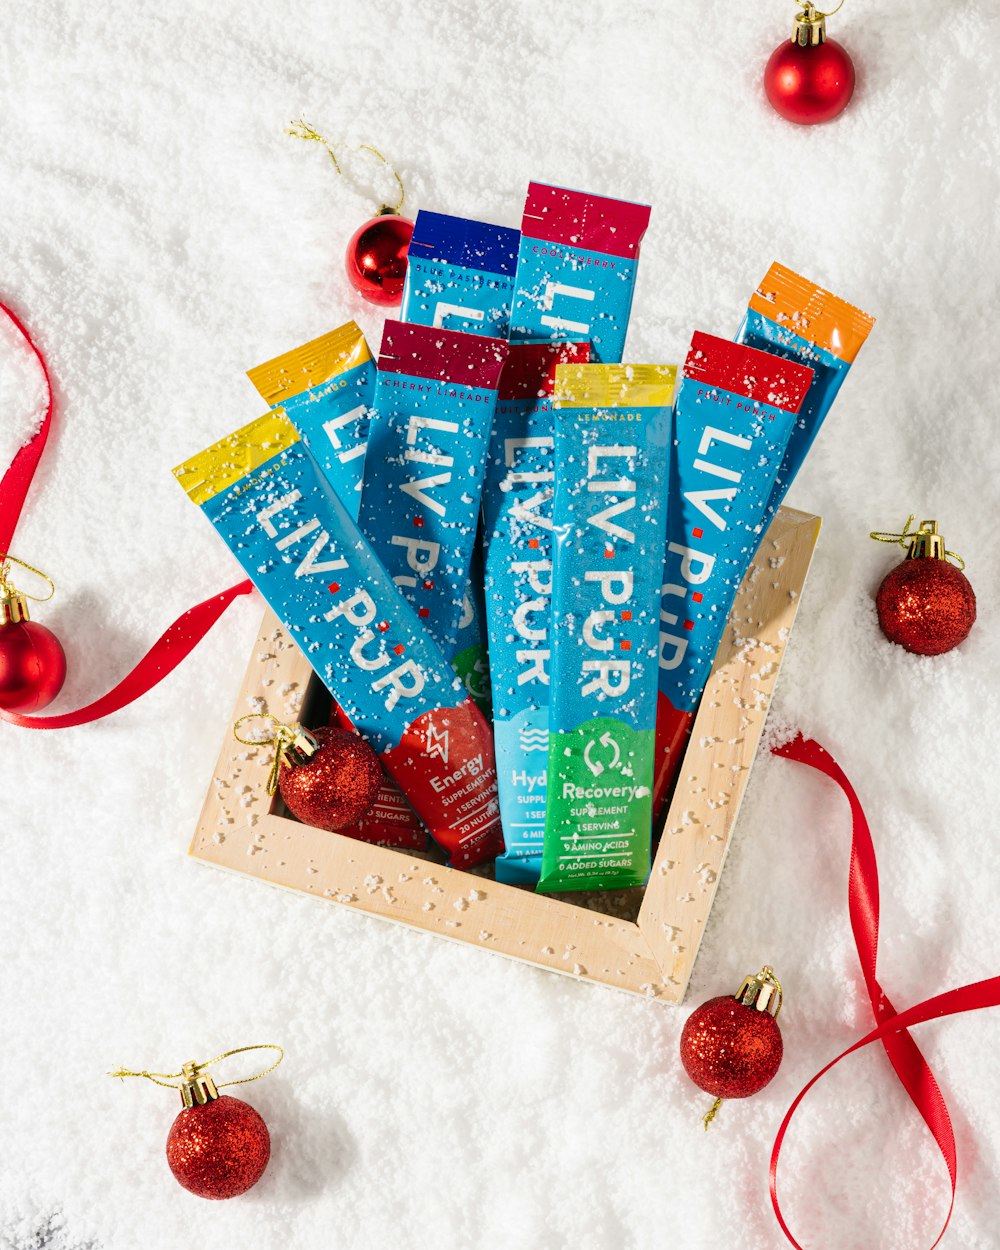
(175, 644)
(167, 652)
(891, 1026)
(17, 479)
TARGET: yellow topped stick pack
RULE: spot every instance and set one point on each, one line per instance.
(325, 388)
(613, 436)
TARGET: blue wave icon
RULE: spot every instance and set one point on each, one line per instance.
(534, 740)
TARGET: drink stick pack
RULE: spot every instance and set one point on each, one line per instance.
(460, 275)
(576, 267)
(735, 410)
(612, 453)
(266, 496)
(325, 387)
(791, 317)
(517, 536)
(434, 401)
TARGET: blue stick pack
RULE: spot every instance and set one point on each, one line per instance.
(434, 400)
(734, 413)
(576, 267)
(612, 452)
(517, 536)
(791, 317)
(460, 275)
(266, 496)
(325, 388)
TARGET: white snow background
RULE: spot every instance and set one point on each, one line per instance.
(161, 234)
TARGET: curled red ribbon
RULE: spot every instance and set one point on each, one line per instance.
(174, 644)
(891, 1026)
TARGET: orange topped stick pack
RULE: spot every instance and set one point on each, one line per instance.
(790, 316)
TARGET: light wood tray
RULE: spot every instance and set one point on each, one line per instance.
(644, 942)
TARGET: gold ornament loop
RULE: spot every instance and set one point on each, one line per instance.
(292, 744)
(812, 12)
(190, 1070)
(300, 129)
(904, 539)
(6, 586)
(259, 742)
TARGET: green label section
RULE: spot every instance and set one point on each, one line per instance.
(598, 809)
(473, 667)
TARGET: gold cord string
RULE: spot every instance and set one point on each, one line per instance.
(300, 129)
(282, 736)
(166, 1079)
(886, 536)
(811, 11)
(6, 559)
(710, 1114)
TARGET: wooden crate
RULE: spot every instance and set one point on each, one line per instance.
(642, 941)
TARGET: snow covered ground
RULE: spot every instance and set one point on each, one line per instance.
(161, 234)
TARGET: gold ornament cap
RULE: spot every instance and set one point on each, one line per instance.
(13, 605)
(926, 543)
(809, 26)
(197, 1087)
(297, 749)
(762, 991)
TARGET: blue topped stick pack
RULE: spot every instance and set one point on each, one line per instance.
(576, 267)
(460, 274)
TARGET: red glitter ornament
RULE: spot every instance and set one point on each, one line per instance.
(335, 784)
(925, 604)
(32, 661)
(809, 78)
(731, 1046)
(218, 1146)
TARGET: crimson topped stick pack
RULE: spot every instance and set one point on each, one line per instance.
(517, 535)
(434, 401)
(576, 267)
(733, 417)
